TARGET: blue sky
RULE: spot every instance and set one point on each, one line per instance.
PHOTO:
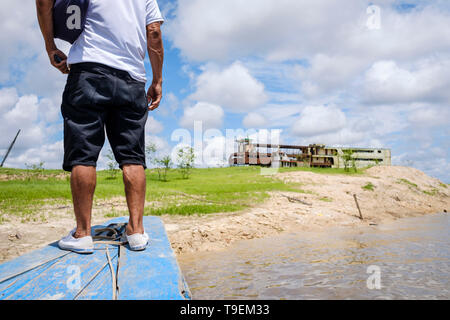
(319, 71)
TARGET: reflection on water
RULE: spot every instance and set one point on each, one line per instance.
(413, 256)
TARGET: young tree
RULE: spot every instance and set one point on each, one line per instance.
(112, 165)
(185, 159)
(163, 166)
(35, 169)
(150, 151)
(348, 158)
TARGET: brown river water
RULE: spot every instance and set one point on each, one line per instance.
(405, 259)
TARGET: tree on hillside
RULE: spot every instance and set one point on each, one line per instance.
(150, 151)
(163, 166)
(111, 164)
(185, 160)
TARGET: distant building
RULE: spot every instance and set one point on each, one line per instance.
(314, 155)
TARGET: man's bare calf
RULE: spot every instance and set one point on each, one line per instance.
(83, 181)
(135, 184)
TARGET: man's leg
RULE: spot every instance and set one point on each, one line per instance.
(135, 184)
(82, 182)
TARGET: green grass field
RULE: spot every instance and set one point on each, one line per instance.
(23, 192)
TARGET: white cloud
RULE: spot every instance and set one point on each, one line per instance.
(430, 116)
(210, 115)
(234, 88)
(214, 153)
(8, 98)
(153, 126)
(286, 29)
(169, 105)
(40, 77)
(38, 123)
(51, 154)
(386, 82)
(316, 120)
(19, 36)
(22, 115)
(254, 120)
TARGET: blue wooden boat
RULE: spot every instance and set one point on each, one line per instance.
(111, 272)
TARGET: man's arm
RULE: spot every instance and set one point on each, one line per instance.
(156, 54)
(45, 18)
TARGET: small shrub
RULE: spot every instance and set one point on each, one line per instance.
(431, 192)
(369, 186)
(407, 182)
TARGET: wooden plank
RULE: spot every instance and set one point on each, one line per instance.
(152, 274)
(64, 279)
(8, 287)
(49, 280)
(101, 288)
(29, 261)
(50, 273)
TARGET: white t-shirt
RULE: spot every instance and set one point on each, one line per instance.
(115, 35)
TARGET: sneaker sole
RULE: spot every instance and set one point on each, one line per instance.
(81, 251)
(139, 248)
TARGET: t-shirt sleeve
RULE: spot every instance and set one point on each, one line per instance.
(153, 12)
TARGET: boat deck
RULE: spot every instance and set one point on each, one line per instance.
(111, 272)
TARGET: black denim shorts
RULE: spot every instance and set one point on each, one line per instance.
(98, 97)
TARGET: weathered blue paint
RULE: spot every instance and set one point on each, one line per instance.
(29, 261)
(50, 273)
(152, 274)
(101, 287)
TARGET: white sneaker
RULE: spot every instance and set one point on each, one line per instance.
(78, 245)
(137, 241)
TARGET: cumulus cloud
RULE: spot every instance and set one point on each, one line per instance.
(8, 98)
(20, 37)
(386, 82)
(154, 126)
(211, 116)
(234, 88)
(254, 120)
(169, 105)
(38, 123)
(316, 120)
(50, 153)
(20, 113)
(206, 30)
(430, 116)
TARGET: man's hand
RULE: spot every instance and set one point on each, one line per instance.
(154, 95)
(62, 65)
(44, 10)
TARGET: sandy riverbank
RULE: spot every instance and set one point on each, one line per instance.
(391, 193)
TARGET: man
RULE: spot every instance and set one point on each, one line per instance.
(105, 89)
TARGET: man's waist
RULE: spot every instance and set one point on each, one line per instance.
(99, 68)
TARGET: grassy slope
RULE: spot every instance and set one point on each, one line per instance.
(207, 191)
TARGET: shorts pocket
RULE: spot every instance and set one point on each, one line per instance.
(80, 89)
(138, 96)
